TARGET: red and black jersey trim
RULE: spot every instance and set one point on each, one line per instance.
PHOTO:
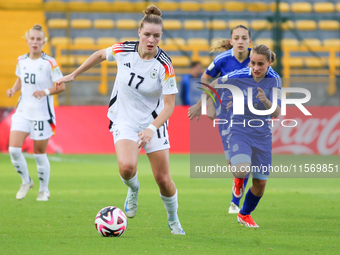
(127, 46)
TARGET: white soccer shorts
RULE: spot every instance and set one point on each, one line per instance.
(38, 129)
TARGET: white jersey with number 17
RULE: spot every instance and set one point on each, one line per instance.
(137, 96)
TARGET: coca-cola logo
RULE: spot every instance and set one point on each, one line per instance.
(317, 135)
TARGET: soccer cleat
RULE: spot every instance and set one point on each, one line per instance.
(24, 188)
(246, 220)
(238, 187)
(175, 227)
(131, 203)
(233, 208)
(43, 196)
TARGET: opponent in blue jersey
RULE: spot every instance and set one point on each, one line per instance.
(250, 147)
(235, 57)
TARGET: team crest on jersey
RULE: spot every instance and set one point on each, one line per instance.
(153, 74)
(235, 147)
(172, 82)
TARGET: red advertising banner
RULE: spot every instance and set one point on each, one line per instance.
(84, 129)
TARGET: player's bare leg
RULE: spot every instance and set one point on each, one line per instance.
(159, 161)
(127, 155)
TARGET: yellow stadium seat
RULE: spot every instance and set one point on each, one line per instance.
(122, 6)
(103, 24)
(324, 7)
(172, 24)
(257, 7)
(216, 24)
(78, 6)
(67, 61)
(124, 39)
(205, 60)
(189, 6)
(180, 61)
(337, 62)
(60, 41)
(288, 25)
(55, 6)
(126, 24)
(331, 42)
(337, 7)
(302, 7)
(314, 62)
(329, 25)
(109, 41)
(234, 23)
(283, 7)
(175, 41)
(260, 24)
(234, 6)
(57, 23)
(311, 42)
(167, 5)
(193, 25)
(305, 24)
(197, 42)
(289, 42)
(81, 24)
(266, 41)
(212, 6)
(83, 41)
(101, 6)
(294, 62)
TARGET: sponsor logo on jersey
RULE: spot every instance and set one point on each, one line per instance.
(117, 133)
(235, 147)
(41, 134)
(165, 142)
(153, 74)
(128, 65)
(172, 82)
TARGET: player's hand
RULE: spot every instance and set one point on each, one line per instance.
(144, 137)
(261, 95)
(39, 94)
(194, 111)
(10, 93)
(211, 112)
(65, 79)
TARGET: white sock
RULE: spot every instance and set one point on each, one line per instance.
(43, 167)
(171, 205)
(19, 163)
(133, 183)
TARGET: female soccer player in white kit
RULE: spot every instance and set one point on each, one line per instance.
(142, 101)
(34, 115)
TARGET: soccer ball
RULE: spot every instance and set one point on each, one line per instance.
(110, 221)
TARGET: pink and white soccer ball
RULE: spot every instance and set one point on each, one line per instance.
(110, 221)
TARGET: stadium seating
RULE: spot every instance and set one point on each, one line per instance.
(289, 42)
(193, 25)
(266, 41)
(288, 25)
(234, 6)
(60, 41)
(106, 41)
(78, 6)
(324, 7)
(314, 62)
(234, 23)
(172, 24)
(301, 7)
(126, 24)
(197, 42)
(167, 5)
(57, 23)
(311, 42)
(216, 25)
(331, 42)
(83, 41)
(260, 25)
(103, 24)
(175, 41)
(328, 25)
(284, 7)
(81, 24)
(257, 7)
(212, 6)
(123, 39)
(189, 6)
(305, 25)
(180, 61)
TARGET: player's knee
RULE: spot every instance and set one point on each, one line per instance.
(163, 181)
(14, 152)
(127, 169)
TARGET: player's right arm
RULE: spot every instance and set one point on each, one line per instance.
(16, 87)
(93, 60)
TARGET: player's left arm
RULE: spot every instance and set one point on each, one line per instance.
(147, 134)
(267, 103)
(51, 91)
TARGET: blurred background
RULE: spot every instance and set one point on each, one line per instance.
(304, 35)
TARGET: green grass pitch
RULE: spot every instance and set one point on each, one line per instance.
(296, 216)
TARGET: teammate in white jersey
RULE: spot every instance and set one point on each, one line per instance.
(142, 101)
(34, 115)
